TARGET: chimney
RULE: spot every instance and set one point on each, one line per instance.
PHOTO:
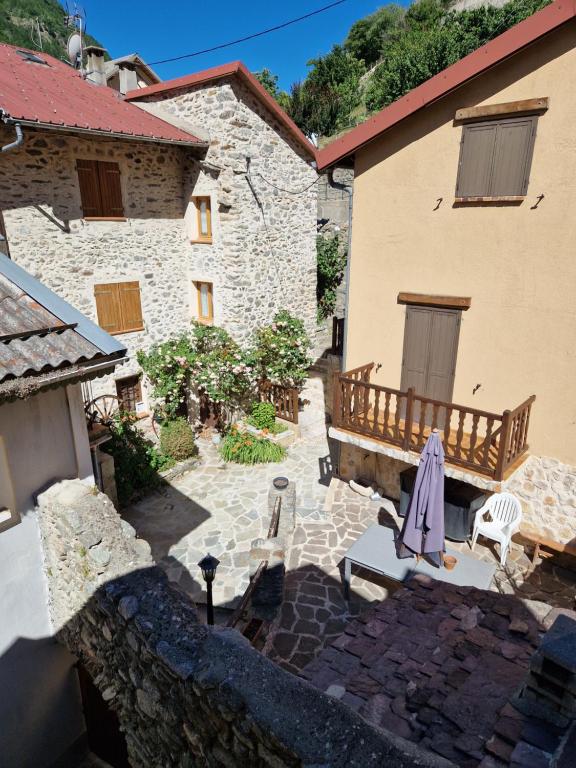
(551, 683)
(95, 65)
(128, 77)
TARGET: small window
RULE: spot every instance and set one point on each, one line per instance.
(3, 238)
(204, 219)
(100, 189)
(204, 292)
(118, 306)
(495, 159)
(129, 391)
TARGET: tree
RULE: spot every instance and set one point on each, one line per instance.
(368, 37)
(270, 81)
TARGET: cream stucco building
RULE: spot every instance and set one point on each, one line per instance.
(462, 272)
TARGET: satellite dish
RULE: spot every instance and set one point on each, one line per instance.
(74, 49)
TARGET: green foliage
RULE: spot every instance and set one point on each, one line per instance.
(243, 448)
(167, 366)
(434, 40)
(270, 82)
(177, 439)
(263, 415)
(368, 37)
(137, 461)
(18, 25)
(207, 358)
(281, 351)
(331, 263)
(329, 93)
(411, 45)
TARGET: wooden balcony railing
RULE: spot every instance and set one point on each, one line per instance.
(489, 443)
(285, 400)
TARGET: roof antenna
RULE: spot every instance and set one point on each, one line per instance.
(75, 44)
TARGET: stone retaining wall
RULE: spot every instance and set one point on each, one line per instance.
(186, 694)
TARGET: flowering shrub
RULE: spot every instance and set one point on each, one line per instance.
(167, 366)
(219, 367)
(243, 448)
(281, 352)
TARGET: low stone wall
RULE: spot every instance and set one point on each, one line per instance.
(547, 489)
(186, 694)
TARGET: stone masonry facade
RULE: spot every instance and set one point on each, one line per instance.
(186, 694)
(262, 256)
(264, 194)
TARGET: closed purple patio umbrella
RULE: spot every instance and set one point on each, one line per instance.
(423, 529)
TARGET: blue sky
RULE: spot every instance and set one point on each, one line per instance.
(161, 30)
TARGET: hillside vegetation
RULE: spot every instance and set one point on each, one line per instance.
(18, 25)
(387, 54)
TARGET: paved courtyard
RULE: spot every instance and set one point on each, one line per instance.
(221, 508)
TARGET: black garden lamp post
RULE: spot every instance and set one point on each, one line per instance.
(208, 566)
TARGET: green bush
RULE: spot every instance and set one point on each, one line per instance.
(137, 461)
(331, 263)
(177, 439)
(263, 416)
(244, 448)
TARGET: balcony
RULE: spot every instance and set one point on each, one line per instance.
(491, 444)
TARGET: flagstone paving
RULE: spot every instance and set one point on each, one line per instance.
(315, 613)
(221, 508)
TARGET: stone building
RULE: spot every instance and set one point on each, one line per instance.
(201, 207)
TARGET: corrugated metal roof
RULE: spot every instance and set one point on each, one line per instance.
(34, 340)
(55, 94)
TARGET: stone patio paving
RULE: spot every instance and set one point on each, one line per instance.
(221, 508)
(315, 613)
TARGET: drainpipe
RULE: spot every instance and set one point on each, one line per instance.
(349, 190)
(19, 137)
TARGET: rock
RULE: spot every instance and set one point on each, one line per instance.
(128, 607)
(128, 531)
(100, 555)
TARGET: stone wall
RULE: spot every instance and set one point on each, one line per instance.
(262, 257)
(258, 213)
(384, 471)
(547, 490)
(186, 694)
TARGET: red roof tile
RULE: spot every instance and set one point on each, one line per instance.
(226, 70)
(502, 47)
(54, 94)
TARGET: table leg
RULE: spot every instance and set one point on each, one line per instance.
(347, 574)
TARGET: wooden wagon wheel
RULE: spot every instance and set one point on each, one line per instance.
(102, 409)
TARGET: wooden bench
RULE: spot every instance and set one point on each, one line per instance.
(538, 539)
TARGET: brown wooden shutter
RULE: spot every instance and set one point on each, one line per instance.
(476, 157)
(108, 307)
(416, 344)
(89, 181)
(430, 349)
(513, 157)
(110, 190)
(130, 306)
(444, 335)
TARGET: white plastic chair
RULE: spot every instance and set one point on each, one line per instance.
(504, 514)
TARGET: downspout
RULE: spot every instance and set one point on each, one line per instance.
(349, 190)
(19, 136)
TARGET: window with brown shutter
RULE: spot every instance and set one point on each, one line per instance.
(495, 159)
(118, 307)
(100, 189)
(3, 238)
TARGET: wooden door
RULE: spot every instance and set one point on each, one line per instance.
(430, 350)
